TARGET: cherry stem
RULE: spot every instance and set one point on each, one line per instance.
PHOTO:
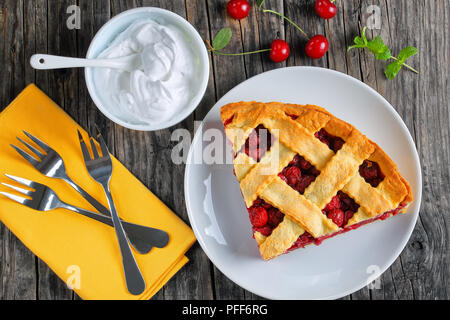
(288, 20)
(407, 66)
(239, 54)
(211, 48)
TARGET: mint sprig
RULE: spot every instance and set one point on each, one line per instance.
(382, 52)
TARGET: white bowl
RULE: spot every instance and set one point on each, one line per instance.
(117, 25)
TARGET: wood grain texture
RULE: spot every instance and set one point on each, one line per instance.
(421, 271)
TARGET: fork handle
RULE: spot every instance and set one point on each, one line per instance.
(142, 247)
(97, 205)
(148, 236)
(133, 276)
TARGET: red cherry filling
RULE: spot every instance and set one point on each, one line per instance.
(292, 116)
(264, 217)
(228, 121)
(340, 209)
(337, 216)
(299, 174)
(333, 142)
(307, 239)
(371, 172)
(258, 143)
(275, 217)
(302, 241)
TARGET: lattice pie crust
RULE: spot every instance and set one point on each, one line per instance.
(295, 127)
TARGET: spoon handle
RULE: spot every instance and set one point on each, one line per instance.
(46, 61)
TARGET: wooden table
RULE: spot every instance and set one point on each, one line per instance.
(30, 26)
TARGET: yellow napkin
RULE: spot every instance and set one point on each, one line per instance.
(76, 248)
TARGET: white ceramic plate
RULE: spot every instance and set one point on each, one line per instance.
(340, 265)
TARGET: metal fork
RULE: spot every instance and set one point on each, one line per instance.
(100, 168)
(43, 198)
(52, 165)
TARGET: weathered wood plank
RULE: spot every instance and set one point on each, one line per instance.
(422, 101)
(17, 264)
(63, 89)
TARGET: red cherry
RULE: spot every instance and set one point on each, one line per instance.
(293, 175)
(325, 9)
(238, 9)
(295, 161)
(368, 170)
(337, 144)
(275, 217)
(337, 215)
(347, 216)
(258, 216)
(265, 231)
(335, 203)
(281, 175)
(314, 171)
(279, 50)
(304, 182)
(261, 203)
(316, 47)
(305, 165)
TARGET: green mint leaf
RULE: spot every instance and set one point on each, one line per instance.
(406, 53)
(358, 41)
(392, 69)
(386, 54)
(259, 3)
(376, 45)
(363, 35)
(222, 38)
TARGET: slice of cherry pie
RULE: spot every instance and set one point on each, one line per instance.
(306, 175)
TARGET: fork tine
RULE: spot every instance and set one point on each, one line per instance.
(14, 197)
(33, 149)
(94, 149)
(18, 189)
(40, 143)
(25, 155)
(23, 181)
(103, 146)
(84, 149)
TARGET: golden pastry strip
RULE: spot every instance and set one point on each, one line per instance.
(267, 169)
(281, 238)
(298, 208)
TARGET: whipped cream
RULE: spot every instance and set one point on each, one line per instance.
(162, 83)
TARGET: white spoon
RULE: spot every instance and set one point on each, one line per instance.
(46, 61)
